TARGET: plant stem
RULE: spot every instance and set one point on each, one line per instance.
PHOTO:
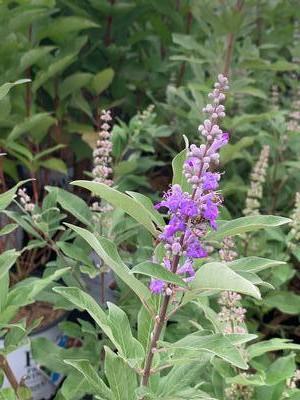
(183, 64)
(108, 38)
(9, 374)
(230, 42)
(160, 321)
(158, 327)
(2, 177)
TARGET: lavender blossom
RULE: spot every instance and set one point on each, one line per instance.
(102, 170)
(191, 215)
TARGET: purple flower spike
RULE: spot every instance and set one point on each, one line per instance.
(193, 214)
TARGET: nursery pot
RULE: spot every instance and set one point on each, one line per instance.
(42, 384)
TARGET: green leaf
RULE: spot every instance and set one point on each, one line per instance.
(8, 229)
(7, 197)
(74, 387)
(102, 80)
(246, 224)
(19, 151)
(38, 122)
(48, 151)
(73, 204)
(178, 176)
(92, 378)
(73, 83)
(285, 301)
(84, 301)
(191, 347)
(217, 276)
(233, 151)
(145, 327)
(109, 254)
(18, 218)
(32, 56)
(54, 164)
(210, 314)
(157, 271)
(7, 394)
(260, 348)
(281, 369)
(120, 200)
(4, 89)
(128, 347)
(122, 380)
(253, 264)
(61, 27)
(7, 260)
(156, 217)
(76, 252)
(55, 67)
(25, 292)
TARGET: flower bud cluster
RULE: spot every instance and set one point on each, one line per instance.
(192, 214)
(275, 97)
(231, 314)
(293, 382)
(294, 117)
(102, 170)
(294, 236)
(258, 177)
(25, 200)
(227, 252)
(293, 124)
(237, 391)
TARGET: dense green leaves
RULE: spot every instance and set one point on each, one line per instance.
(216, 276)
(73, 204)
(92, 378)
(284, 301)
(257, 349)
(82, 300)
(253, 264)
(102, 80)
(108, 252)
(129, 348)
(192, 346)
(121, 378)
(246, 224)
(132, 207)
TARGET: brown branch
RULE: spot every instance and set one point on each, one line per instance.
(159, 324)
(9, 374)
(108, 38)
(230, 42)
(2, 177)
(183, 64)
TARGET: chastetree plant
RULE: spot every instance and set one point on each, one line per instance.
(139, 363)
